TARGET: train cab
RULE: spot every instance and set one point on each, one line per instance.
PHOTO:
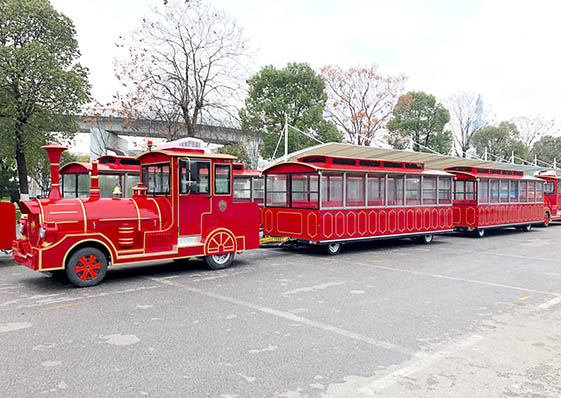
(182, 207)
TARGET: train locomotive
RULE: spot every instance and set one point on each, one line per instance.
(183, 207)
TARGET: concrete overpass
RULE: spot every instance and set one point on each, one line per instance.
(105, 133)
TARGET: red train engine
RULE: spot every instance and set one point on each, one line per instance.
(182, 208)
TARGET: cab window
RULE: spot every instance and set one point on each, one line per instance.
(194, 176)
(221, 179)
(155, 178)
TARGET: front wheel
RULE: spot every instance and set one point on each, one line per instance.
(86, 267)
(333, 248)
(219, 261)
(546, 219)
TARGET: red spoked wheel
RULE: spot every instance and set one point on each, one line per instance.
(86, 267)
(546, 219)
(220, 242)
(220, 247)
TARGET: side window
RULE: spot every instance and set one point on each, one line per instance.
(558, 187)
(531, 191)
(494, 191)
(444, 190)
(539, 191)
(513, 191)
(504, 191)
(413, 190)
(222, 179)
(459, 190)
(258, 189)
(242, 188)
(523, 191)
(376, 190)
(194, 177)
(395, 190)
(355, 189)
(332, 190)
(549, 188)
(277, 190)
(484, 191)
(429, 190)
(155, 178)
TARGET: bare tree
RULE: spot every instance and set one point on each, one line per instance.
(361, 100)
(532, 128)
(184, 65)
(466, 117)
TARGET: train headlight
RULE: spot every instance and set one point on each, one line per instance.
(42, 232)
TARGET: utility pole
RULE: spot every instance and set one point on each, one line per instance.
(286, 137)
(485, 154)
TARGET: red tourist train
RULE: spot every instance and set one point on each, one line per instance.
(328, 201)
(183, 208)
(496, 198)
(552, 195)
(122, 172)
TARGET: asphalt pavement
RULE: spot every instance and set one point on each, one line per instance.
(461, 317)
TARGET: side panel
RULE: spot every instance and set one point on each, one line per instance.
(360, 223)
(474, 216)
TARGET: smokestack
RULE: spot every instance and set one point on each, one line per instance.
(54, 152)
(94, 184)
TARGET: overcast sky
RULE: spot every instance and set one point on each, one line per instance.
(507, 51)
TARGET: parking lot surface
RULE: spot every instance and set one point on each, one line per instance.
(461, 317)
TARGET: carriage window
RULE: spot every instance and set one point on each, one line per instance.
(376, 190)
(484, 191)
(413, 190)
(504, 191)
(494, 191)
(258, 189)
(539, 191)
(304, 191)
(222, 179)
(132, 181)
(513, 191)
(531, 191)
(108, 183)
(194, 177)
(429, 190)
(69, 185)
(549, 188)
(355, 190)
(444, 190)
(332, 190)
(242, 189)
(395, 190)
(558, 187)
(465, 190)
(277, 190)
(523, 191)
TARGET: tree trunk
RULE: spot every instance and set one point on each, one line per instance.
(20, 159)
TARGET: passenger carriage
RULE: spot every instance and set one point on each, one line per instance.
(496, 198)
(323, 200)
(121, 172)
(552, 195)
(182, 208)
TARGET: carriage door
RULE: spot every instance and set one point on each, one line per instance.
(194, 196)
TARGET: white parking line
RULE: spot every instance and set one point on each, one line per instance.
(454, 278)
(550, 303)
(291, 317)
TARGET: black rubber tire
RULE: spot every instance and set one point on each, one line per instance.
(333, 248)
(219, 261)
(95, 263)
(479, 232)
(426, 239)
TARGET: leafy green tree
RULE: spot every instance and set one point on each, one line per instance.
(418, 117)
(296, 91)
(41, 85)
(238, 150)
(499, 141)
(41, 172)
(8, 184)
(547, 149)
